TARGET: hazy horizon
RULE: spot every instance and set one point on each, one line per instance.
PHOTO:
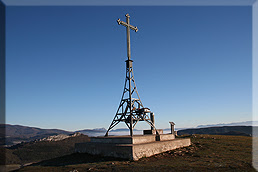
(254, 123)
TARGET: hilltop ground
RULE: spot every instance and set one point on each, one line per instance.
(207, 153)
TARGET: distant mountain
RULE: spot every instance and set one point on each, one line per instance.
(102, 132)
(99, 129)
(225, 130)
(26, 132)
(124, 129)
(17, 133)
(246, 123)
(92, 130)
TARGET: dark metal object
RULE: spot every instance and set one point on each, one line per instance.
(172, 127)
(130, 109)
(152, 119)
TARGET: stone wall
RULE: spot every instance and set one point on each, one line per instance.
(131, 151)
(149, 149)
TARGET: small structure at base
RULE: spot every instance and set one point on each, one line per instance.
(131, 147)
(172, 125)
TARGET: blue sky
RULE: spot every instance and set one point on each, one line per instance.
(65, 65)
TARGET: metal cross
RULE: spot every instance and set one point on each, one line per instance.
(128, 27)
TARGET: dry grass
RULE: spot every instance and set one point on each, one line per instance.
(207, 153)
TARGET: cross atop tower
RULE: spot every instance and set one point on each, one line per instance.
(128, 27)
(131, 109)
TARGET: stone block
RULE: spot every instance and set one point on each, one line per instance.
(164, 137)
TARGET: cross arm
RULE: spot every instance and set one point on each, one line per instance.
(127, 25)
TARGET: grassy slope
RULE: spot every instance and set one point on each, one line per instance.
(207, 153)
(224, 130)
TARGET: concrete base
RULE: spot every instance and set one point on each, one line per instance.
(132, 148)
(136, 139)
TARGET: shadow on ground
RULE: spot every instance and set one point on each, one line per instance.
(75, 158)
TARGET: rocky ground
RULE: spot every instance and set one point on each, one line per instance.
(58, 137)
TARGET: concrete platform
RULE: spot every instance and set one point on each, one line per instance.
(136, 139)
(132, 148)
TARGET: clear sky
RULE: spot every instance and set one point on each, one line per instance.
(65, 65)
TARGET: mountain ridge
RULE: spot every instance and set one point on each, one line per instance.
(17, 133)
(244, 123)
